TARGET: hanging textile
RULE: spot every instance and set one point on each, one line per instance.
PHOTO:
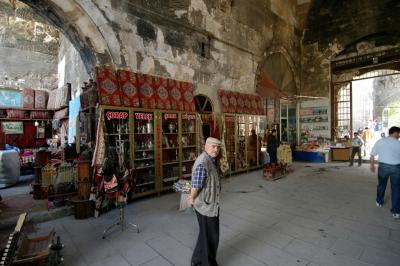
(100, 148)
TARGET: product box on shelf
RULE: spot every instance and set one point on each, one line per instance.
(28, 96)
(41, 99)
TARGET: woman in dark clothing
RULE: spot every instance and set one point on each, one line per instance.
(272, 146)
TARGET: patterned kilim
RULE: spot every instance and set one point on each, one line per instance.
(129, 88)
(146, 92)
(162, 96)
(109, 93)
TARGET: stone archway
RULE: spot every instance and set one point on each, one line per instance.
(204, 107)
(276, 76)
(78, 26)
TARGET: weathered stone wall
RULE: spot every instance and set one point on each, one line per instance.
(216, 44)
(28, 49)
(341, 29)
(71, 68)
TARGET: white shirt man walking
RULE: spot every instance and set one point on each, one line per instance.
(388, 152)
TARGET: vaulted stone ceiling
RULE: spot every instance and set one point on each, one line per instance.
(352, 21)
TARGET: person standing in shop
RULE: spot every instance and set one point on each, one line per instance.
(205, 197)
(388, 152)
(367, 135)
(272, 146)
(357, 143)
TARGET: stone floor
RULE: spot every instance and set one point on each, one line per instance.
(322, 214)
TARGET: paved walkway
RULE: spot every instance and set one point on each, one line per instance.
(322, 214)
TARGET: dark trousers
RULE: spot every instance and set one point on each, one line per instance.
(384, 172)
(273, 158)
(355, 150)
(205, 252)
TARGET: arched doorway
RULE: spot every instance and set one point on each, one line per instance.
(368, 102)
(205, 108)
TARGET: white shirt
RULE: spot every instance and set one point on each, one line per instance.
(388, 150)
(357, 142)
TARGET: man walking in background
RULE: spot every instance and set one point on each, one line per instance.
(388, 152)
(204, 196)
(356, 148)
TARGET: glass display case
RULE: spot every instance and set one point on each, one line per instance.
(170, 148)
(189, 149)
(144, 151)
(117, 134)
(288, 118)
(161, 146)
(253, 142)
(230, 141)
(241, 162)
(243, 135)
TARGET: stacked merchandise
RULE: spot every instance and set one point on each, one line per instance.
(274, 171)
(182, 186)
(285, 154)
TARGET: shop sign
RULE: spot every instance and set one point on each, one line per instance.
(189, 117)
(143, 116)
(116, 115)
(170, 116)
(229, 119)
(13, 128)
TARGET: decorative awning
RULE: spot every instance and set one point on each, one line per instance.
(240, 103)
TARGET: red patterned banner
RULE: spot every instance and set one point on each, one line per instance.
(175, 95)
(260, 106)
(247, 104)
(253, 104)
(146, 92)
(223, 98)
(240, 103)
(162, 96)
(109, 93)
(188, 98)
(129, 88)
(233, 102)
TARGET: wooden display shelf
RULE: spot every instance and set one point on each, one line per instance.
(144, 150)
(167, 133)
(173, 148)
(116, 134)
(145, 184)
(169, 179)
(189, 146)
(145, 167)
(170, 163)
(188, 161)
(144, 159)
